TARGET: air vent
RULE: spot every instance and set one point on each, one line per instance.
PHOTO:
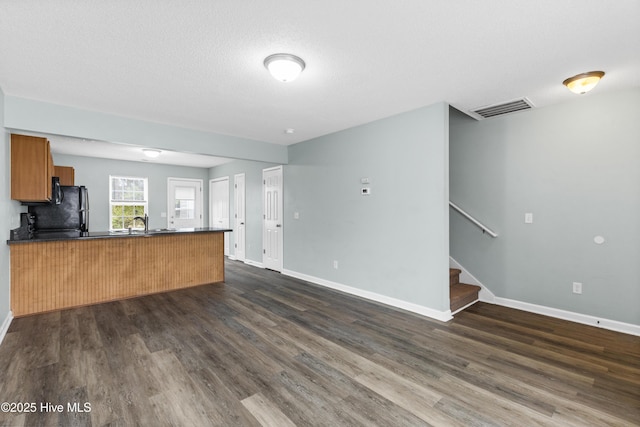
(504, 108)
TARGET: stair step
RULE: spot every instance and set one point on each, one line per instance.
(454, 276)
(461, 294)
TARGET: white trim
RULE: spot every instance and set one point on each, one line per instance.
(585, 319)
(254, 263)
(443, 316)
(5, 325)
(171, 197)
(113, 202)
(227, 242)
(240, 238)
(280, 169)
(485, 295)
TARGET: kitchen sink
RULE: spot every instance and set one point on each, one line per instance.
(141, 232)
(126, 232)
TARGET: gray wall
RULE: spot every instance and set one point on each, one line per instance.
(253, 203)
(37, 116)
(6, 222)
(576, 167)
(393, 242)
(94, 174)
(9, 214)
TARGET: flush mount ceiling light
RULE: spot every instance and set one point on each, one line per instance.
(584, 82)
(284, 66)
(151, 153)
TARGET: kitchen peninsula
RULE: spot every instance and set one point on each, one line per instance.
(93, 267)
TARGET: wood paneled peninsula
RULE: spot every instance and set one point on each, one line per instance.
(93, 267)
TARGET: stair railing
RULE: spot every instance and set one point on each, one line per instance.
(484, 228)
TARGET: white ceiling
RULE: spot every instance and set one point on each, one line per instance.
(199, 63)
(118, 151)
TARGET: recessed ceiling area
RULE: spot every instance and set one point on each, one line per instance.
(200, 64)
(109, 150)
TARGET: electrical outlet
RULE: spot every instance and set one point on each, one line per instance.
(528, 218)
(577, 287)
(335, 264)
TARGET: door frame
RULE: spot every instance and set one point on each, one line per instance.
(170, 197)
(237, 235)
(280, 265)
(211, 199)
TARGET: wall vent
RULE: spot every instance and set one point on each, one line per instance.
(503, 108)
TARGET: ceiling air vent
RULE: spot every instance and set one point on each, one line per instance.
(504, 108)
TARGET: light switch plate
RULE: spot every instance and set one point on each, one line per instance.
(577, 287)
(528, 218)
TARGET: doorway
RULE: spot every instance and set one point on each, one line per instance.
(240, 216)
(219, 207)
(184, 202)
(272, 218)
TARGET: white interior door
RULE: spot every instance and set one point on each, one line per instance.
(240, 220)
(184, 203)
(272, 226)
(219, 207)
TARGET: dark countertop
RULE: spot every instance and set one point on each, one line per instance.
(88, 235)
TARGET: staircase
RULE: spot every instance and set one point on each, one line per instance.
(460, 294)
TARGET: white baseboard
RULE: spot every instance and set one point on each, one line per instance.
(585, 319)
(5, 326)
(443, 316)
(487, 296)
(246, 261)
(253, 263)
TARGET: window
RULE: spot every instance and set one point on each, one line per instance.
(128, 199)
(185, 199)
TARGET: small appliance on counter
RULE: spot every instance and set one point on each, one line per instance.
(69, 218)
(26, 229)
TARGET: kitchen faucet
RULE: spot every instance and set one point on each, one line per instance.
(145, 221)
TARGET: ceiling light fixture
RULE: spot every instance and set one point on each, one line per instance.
(583, 83)
(284, 66)
(151, 153)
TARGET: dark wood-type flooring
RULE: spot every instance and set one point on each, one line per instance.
(268, 349)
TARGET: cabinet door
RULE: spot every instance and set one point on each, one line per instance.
(66, 174)
(31, 169)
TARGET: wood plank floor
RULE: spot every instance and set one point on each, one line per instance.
(266, 349)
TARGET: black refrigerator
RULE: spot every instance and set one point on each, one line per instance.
(70, 218)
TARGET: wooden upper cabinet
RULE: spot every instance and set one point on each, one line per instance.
(65, 173)
(31, 168)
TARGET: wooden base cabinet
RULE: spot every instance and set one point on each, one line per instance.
(47, 276)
